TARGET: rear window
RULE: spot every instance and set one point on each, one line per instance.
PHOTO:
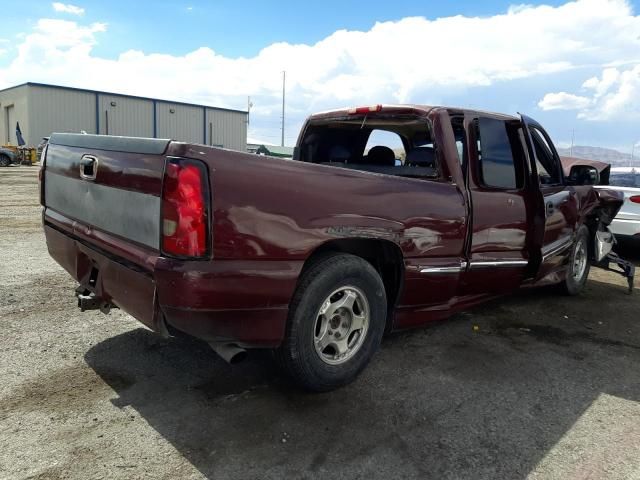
(400, 145)
(625, 179)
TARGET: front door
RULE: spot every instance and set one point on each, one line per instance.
(556, 229)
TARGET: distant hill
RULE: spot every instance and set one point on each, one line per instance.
(608, 155)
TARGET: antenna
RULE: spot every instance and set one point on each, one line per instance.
(284, 78)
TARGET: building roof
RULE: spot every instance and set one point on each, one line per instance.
(272, 150)
(86, 90)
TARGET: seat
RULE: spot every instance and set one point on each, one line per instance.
(381, 156)
(421, 157)
(339, 154)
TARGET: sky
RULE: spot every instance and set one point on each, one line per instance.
(573, 66)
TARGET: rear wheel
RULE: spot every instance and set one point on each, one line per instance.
(4, 161)
(578, 268)
(336, 321)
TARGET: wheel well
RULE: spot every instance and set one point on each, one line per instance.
(385, 256)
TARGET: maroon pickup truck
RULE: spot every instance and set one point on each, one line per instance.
(319, 256)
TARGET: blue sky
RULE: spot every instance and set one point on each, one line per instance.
(552, 60)
(239, 28)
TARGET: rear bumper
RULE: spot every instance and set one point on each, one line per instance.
(245, 302)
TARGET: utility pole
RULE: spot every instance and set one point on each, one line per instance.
(573, 134)
(249, 105)
(284, 78)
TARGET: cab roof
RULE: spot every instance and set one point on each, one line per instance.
(409, 109)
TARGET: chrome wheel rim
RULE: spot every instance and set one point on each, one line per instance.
(341, 325)
(579, 261)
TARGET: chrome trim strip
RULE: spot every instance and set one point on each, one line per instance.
(499, 263)
(557, 249)
(445, 268)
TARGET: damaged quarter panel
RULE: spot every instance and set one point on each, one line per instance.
(270, 209)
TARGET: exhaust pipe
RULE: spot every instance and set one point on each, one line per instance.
(229, 352)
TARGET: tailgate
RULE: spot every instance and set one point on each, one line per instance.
(110, 184)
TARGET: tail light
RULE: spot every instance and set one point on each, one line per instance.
(635, 199)
(185, 212)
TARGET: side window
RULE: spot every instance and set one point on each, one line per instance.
(460, 137)
(382, 141)
(496, 164)
(546, 164)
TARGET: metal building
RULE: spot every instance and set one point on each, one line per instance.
(42, 109)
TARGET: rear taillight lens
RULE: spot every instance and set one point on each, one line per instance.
(185, 209)
(635, 199)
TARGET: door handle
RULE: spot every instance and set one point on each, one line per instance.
(88, 167)
(550, 208)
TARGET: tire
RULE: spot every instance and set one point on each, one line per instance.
(4, 161)
(336, 321)
(578, 268)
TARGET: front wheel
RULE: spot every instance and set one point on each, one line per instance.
(4, 161)
(336, 322)
(578, 268)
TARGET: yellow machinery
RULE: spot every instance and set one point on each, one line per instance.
(24, 155)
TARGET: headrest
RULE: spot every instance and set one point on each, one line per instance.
(381, 155)
(421, 157)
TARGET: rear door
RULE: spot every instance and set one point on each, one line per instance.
(497, 184)
(557, 220)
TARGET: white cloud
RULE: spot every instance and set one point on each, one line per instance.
(67, 8)
(563, 101)
(409, 60)
(613, 95)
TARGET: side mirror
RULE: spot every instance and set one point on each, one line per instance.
(584, 175)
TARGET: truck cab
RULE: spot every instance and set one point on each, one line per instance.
(521, 213)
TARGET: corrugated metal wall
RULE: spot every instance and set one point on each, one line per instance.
(42, 109)
(131, 117)
(180, 122)
(59, 110)
(227, 129)
(14, 108)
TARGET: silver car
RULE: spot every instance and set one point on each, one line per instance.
(627, 180)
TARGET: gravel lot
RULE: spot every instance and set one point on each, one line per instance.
(532, 386)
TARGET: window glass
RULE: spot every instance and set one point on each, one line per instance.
(391, 140)
(547, 166)
(460, 138)
(495, 157)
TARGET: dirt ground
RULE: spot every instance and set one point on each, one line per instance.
(536, 386)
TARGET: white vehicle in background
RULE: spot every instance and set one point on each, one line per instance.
(627, 180)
